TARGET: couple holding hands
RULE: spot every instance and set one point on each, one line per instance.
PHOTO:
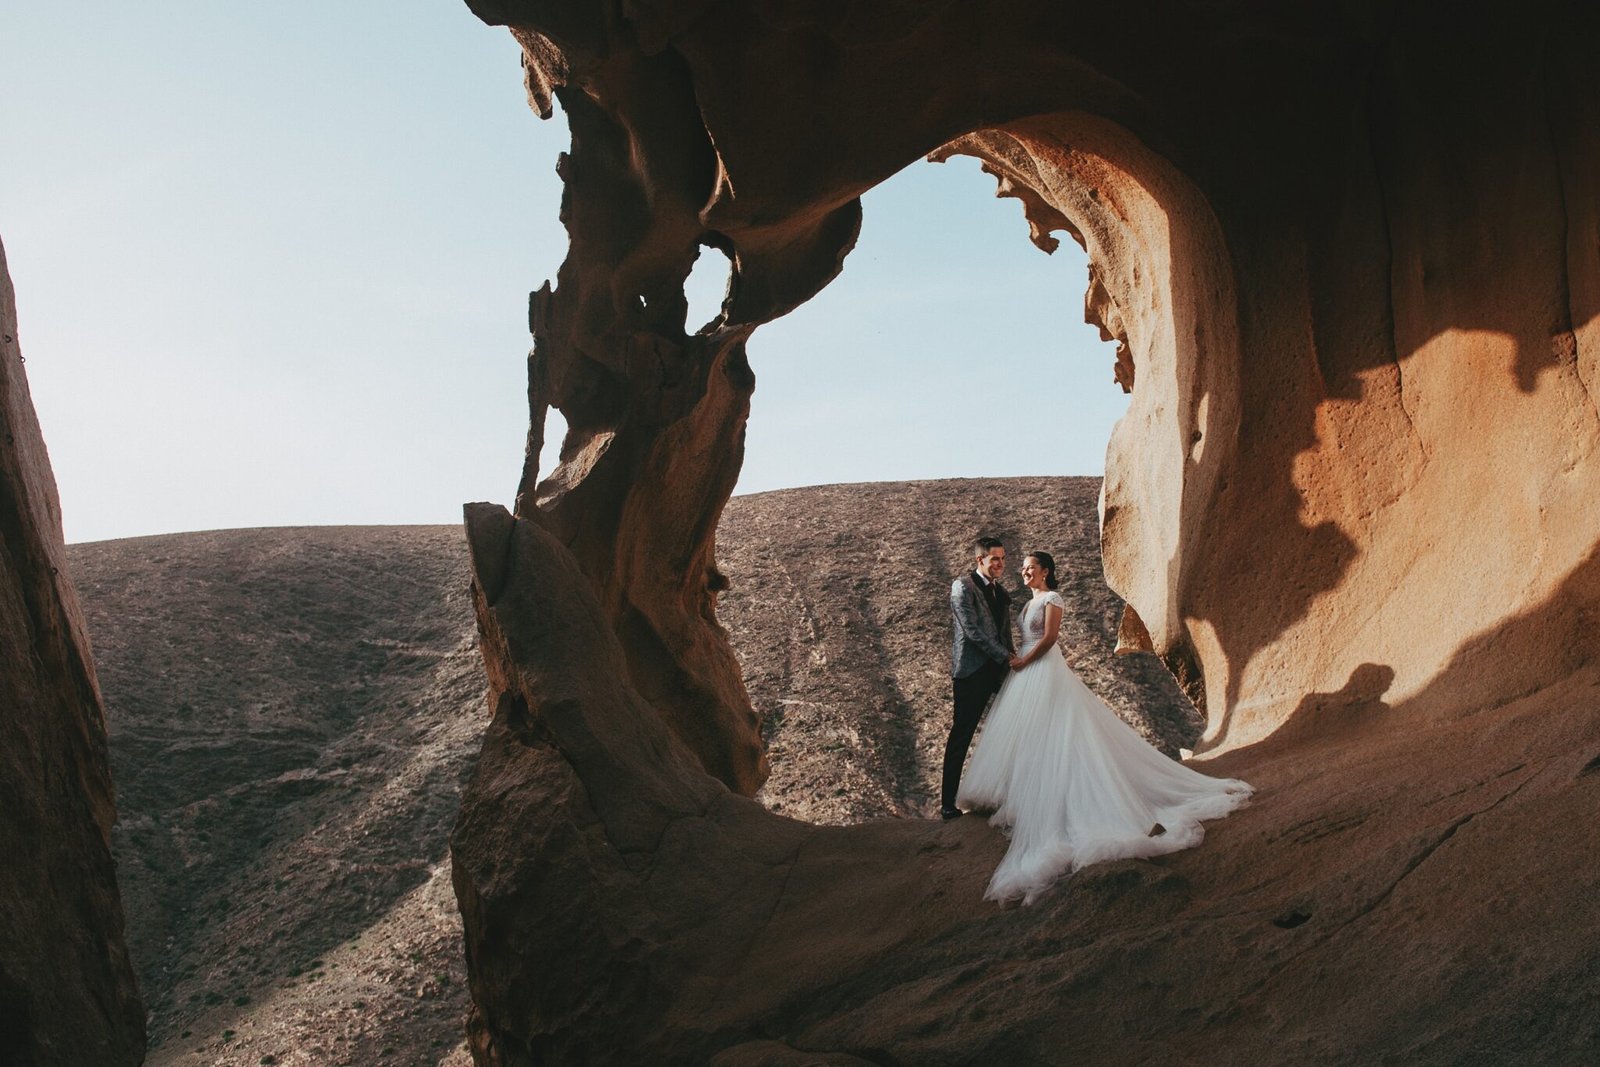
(1056, 768)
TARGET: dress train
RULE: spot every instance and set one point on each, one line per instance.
(1076, 785)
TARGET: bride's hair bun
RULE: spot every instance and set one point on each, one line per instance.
(1045, 560)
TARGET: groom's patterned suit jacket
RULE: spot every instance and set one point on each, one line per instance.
(978, 640)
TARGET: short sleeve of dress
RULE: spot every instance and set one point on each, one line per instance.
(1054, 597)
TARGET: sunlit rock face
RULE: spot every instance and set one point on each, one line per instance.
(1352, 262)
(67, 993)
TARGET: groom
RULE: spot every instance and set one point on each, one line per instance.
(979, 657)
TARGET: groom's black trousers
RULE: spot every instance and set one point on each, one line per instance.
(972, 696)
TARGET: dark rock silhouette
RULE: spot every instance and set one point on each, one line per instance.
(67, 991)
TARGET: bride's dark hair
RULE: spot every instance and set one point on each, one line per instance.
(1045, 560)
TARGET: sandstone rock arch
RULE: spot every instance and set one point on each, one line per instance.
(1380, 561)
(1355, 259)
(1285, 271)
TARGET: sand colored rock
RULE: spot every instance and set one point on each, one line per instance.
(1352, 302)
(1352, 261)
(1399, 888)
(67, 992)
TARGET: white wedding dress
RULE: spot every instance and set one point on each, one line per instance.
(1073, 783)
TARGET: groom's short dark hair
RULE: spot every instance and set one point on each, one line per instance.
(984, 545)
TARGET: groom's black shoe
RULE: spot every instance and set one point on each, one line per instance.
(950, 813)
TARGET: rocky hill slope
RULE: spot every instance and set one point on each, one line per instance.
(293, 711)
(839, 613)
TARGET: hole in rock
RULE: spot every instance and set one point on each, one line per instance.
(942, 386)
(706, 287)
(555, 431)
(948, 347)
(1290, 920)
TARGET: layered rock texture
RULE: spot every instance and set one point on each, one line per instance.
(67, 992)
(1351, 258)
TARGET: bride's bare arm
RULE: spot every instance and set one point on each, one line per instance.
(1052, 628)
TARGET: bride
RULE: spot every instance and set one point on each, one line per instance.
(1075, 784)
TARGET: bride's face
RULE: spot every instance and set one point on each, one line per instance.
(1032, 573)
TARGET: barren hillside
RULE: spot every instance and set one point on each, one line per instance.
(840, 615)
(293, 711)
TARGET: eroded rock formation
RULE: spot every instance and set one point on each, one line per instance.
(1352, 256)
(67, 993)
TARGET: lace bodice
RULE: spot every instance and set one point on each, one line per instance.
(1031, 623)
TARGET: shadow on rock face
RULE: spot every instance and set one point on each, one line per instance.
(1327, 715)
(693, 924)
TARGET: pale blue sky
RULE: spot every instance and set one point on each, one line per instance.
(272, 265)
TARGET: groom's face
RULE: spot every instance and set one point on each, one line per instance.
(992, 564)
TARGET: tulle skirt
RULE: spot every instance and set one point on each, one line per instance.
(1075, 785)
